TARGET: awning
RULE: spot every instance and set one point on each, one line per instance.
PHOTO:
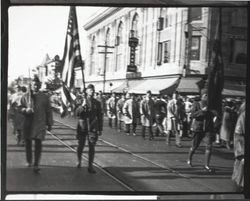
(127, 85)
(233, 88)
(189, 85)
(156, 86)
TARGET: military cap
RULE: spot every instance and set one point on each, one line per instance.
(91, 86)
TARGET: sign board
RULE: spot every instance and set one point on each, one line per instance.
(131, 68)
(133, 75)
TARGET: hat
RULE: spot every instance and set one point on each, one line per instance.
(91, 86)
(36, 80)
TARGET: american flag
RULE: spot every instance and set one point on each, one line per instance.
(216, 74)
(71, 59)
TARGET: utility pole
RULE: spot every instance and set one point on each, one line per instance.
(105, 52)
(188, 36)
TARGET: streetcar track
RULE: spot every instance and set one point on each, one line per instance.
(144, 159)
(96, 164)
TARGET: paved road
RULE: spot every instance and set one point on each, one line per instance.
(145, 166)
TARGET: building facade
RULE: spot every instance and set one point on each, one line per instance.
(162, 47)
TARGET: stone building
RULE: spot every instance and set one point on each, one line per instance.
(163, 48)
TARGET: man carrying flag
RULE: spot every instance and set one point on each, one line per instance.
(71, 59)
(89, 113)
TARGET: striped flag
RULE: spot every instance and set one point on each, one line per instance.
(216, 74)
(71, 59)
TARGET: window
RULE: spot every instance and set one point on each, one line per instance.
(238, 51)
(159, 56)
(195, 48)
(195, 14)
(92, 60)
(119, 46)
(166, 52)
(166, 21)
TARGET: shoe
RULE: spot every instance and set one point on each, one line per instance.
(134, 134)
(91, 170)
(189, 163)
(178, 145)
(208, 169)
(78, 165)
(28, 164)
(36, 169)
(128, 133)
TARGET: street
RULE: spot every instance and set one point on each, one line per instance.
(123, 163)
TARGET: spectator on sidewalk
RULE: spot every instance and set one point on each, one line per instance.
(35, 106)
(131, 113)
(160, 107)
(120, 116)
(90, 125)
(111, 110)
(147, 115)
(173, 121)
(182, 116)
(188, 106)
(239, 148)
(228, 123)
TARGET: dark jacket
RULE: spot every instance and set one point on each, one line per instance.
(202, 120)
(91, 116)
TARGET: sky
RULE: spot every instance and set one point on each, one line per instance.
(35, 31)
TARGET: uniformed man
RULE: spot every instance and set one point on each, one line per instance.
(89, 126)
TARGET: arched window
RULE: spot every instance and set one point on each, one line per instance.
(92, 56)
(134, 28)
(119, 47)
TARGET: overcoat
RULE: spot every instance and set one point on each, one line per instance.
(35, 124)
(228, 124)
(172, 116)
(130, 111)
(147, 112)
(239, 149)
(111, 107)
(119, 106)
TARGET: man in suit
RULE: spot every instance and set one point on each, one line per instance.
(147, 115)
(36, 108)
(89, 126)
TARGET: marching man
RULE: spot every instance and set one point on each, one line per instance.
(89, 126)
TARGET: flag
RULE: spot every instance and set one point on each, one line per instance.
(71, 59)
(216, 72)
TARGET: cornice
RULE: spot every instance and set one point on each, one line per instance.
(101, 16)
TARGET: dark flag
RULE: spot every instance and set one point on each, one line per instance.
(71, 59)
(216, 77)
